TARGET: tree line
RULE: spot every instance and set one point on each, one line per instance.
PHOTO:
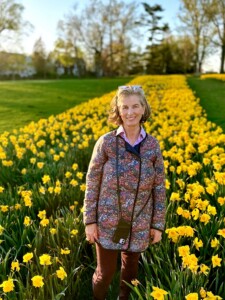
(116, 38)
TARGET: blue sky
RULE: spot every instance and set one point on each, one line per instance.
(44, 15)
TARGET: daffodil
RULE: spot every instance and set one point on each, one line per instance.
(53, 231)
(27, 257)
(68, 174)
(46, 179)
(83, 187)
(1, 229)
(7, 285)
(184, 250)
(15, 266)
(175, 197)
(158, 294)
(202, 292)
(65, 251)
(27, 221)
(197, 243)
(221, 200)
(216, 261)
(74, 232)
(221, 232)
(57, 190)
(215, 243)
(204, 269)
(4, 208)
(44, 222)
(74, 182)
(74, 166)
(79, 175)
(42, 214)
(192, 296)
(37, 281)
(42, 190)
(205, 218)
(61, 274)
(135, 282)
(45, 260)
(40, 165)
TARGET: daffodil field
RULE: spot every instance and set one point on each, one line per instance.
(43, 252)
(215, 76)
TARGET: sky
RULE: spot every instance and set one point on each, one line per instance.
(45, 14)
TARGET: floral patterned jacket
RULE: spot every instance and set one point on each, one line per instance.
(101, 199)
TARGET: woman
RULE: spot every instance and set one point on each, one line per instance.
(124, 206)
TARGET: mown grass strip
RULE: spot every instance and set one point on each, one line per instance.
(24, 101)
(212, 98)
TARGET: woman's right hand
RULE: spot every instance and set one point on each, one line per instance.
(91, 232)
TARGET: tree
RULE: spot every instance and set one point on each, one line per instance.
(84, 29)
(11, 20)
(136, 64)
(64, 56)
(121, 26)
(198, 26)
(68, 56)
(10, 16)
(14, 65)
(102, 31)
(216, 14)
(39, 58)
(174, 55)
(151, 21)
(181, 54)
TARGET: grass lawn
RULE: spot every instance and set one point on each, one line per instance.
(212, 98)
(24, 101)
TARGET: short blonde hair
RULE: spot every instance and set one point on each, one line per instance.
(127, 90)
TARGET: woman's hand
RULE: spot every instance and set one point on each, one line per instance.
(155, 236)
(91, 231)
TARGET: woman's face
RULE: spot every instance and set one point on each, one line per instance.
(130, 110)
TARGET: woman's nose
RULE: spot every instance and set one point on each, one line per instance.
(130, 111)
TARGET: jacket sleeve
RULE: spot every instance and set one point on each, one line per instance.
(159, 192)
(93, 182)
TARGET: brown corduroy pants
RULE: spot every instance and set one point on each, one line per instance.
(106, 267)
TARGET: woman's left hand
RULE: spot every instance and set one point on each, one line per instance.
(155, 236)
